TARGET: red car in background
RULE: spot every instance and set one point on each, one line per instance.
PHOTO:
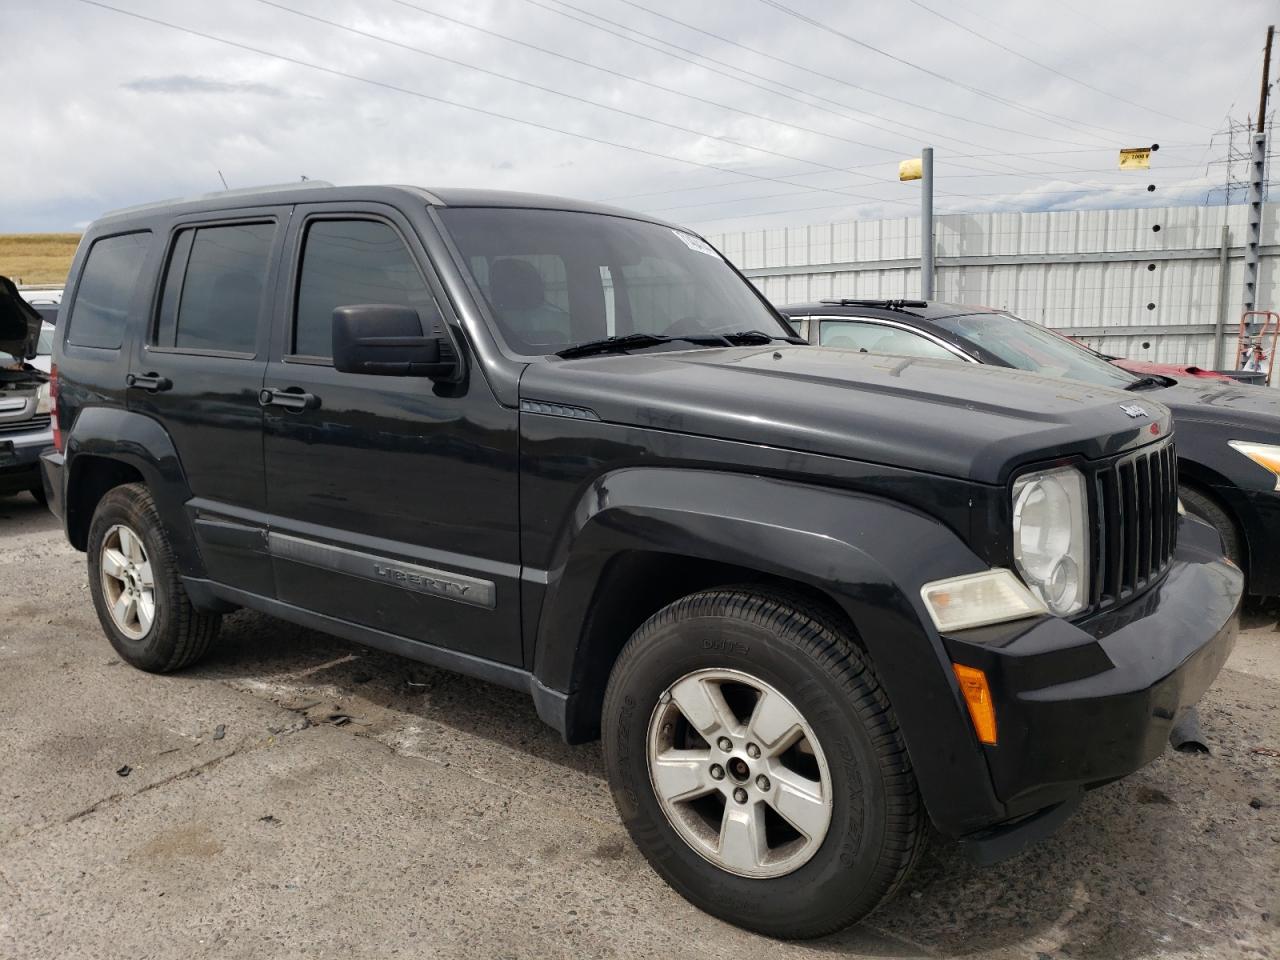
(1147, 368)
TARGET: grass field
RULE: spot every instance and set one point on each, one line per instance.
(37, 257)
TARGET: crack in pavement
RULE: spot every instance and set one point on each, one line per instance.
(123, 795)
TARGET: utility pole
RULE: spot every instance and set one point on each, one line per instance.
(926, 223)
(1257, 179)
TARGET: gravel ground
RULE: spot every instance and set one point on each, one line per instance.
(299, 796)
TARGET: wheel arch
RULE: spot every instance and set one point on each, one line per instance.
(108, 447)
(648, 536)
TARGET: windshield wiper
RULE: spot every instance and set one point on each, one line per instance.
(1143, 383)
(638, 341)
(632, 341)
(752, 338)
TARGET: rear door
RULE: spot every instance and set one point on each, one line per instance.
(393, 499)
(199, 372)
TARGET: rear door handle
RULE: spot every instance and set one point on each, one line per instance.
(148, 381)
(291, 398)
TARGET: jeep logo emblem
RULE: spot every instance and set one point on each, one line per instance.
(1133, 410)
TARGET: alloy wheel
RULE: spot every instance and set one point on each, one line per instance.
(739, 773)
(128, 584)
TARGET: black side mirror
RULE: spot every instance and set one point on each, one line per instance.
(387, 340)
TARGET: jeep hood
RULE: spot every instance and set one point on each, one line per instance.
(955, 419)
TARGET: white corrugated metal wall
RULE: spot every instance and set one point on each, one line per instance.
(1140, 283)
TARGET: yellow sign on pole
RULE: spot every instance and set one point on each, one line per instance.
(910, 169)
(1135, 158)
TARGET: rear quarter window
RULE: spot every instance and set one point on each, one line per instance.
(106, 289)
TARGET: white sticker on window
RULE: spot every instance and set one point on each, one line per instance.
(696, 243)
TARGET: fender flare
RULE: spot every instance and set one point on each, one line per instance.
(140, 442)
(867, 554)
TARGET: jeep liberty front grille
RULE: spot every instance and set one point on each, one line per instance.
(1135, 525)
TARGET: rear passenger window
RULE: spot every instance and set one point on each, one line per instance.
(105, 290)
(345, 262)
(212, 298)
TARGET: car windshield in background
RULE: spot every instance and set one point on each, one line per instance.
(1029, 346)
(553, 278)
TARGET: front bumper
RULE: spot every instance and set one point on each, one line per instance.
(20, 459)
(1079, 705)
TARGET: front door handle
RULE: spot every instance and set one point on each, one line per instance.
(148, 381)
(291, 398)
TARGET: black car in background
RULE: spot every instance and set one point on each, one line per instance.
(1228, 434)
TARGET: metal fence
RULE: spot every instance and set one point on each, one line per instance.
(1161, 283)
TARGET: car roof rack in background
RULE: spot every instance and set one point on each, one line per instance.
(886, 304)
(239, 191)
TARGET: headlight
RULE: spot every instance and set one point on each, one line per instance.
(1263, 454)
(42, 400)
(1051, 537)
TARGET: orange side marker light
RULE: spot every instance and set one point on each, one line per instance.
(977, 697)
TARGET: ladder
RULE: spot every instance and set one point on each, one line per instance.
(1270, 327)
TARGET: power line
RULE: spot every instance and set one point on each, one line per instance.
(634, 79)
(1088, 189)
(438, 99)
(1053, 70)
(570, 96)
(842, 206)
(985, 94)
(768, 56)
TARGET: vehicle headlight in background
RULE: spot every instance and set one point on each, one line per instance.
(1051, 537)
(42, 400)
(1264, 455)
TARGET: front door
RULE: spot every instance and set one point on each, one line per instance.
(199, 373)
(393, 499)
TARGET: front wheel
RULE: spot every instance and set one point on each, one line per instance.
(757, 763)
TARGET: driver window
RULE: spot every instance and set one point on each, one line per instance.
(880, 339)
(352, 261)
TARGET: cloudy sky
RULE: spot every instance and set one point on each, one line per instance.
(723, 114)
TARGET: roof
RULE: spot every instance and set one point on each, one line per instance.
(319, 191)
(921, 309)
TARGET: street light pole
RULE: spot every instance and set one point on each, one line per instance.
(926, 223)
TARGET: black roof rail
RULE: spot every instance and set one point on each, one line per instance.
(886, 304)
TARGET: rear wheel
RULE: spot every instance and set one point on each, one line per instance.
(136, 588)
(757, 763)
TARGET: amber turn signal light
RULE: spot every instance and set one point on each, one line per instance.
(977, 697)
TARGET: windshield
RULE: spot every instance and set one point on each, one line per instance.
(554, 278)
(1028, 346)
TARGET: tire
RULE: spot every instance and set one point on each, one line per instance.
(798, 884)
(174, 634)
(37, 494)
(1207, 509)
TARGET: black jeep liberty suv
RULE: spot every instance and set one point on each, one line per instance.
(811, 599)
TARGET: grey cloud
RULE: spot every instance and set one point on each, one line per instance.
(185, 84)
(771, 146)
